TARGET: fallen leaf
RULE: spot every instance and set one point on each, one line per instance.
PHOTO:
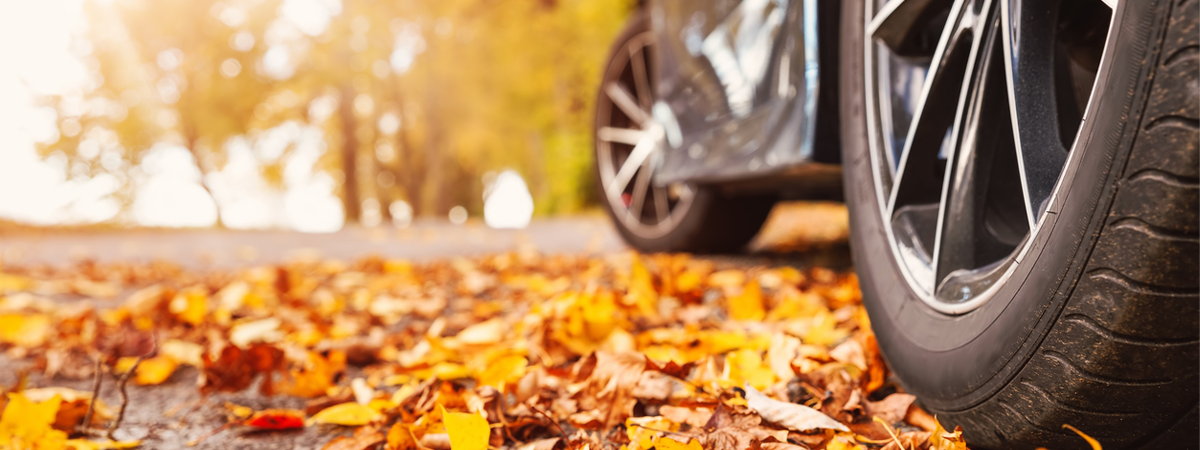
(155, 370)
(748, 305)
(364, 438)
(697, 417)
(263, 330)
(940, 439)
(467, 431)
(83, 444)
(27, 425)
(73, 408)
(790, 415)
(276, 419)
(489, 332)
(892, 408)
(504, 370)
(348, 414)
(400, 437)
(667, 443)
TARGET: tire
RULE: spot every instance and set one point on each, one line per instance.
(711, 222)
(1097, 327)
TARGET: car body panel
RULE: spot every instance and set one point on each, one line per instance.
(740, 82)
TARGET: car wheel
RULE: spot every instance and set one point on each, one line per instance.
(1022, 182)
(629, 142)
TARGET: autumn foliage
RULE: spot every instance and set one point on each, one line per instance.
(515, 350)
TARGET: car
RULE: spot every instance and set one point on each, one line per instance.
(1021, 178)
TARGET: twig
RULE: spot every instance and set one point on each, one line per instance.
(112, 427)
(662, 431)
(890, 432)
(555, 422)
(86, 426)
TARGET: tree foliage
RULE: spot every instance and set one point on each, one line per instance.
(415, 100)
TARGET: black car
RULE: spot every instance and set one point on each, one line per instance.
(1021, 175)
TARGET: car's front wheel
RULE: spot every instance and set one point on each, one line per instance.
(629, 141)
(1022, 182)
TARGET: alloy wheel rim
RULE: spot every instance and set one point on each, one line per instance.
(973, 107)
(629, 144)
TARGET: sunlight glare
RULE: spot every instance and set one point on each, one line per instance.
(507, 202)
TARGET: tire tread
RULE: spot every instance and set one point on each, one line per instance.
(1115, 365)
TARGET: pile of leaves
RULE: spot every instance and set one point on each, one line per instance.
(517, 350)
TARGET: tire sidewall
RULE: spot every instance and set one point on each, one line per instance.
(955, 362)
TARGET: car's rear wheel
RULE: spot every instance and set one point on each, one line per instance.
(1022, 182)
(629, 146)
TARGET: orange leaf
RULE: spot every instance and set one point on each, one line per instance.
(276, 419)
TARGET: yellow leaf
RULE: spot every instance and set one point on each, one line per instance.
(840, 443)
(26, 424)
(503, 370)
(24, 330)
(748, 305)
(641, 289)
(190, 305)
(348, 414)
(667, 443)
(73, 407)
(941, 439)
(1090, 440)
(642, 431)
(467, 431)
(155, 370)
(746, 366)
(83, 444)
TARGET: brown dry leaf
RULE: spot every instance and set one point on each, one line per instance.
(790, 415)
(400, 437)
(234, 368)
(696, 417)
(912, 440)
(607, 395)
(364, 438)
(892, 408)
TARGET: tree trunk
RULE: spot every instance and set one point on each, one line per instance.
(204, 171)
(350, 196)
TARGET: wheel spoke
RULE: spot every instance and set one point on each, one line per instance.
(637, 157)
(640, 190)
(973, 137)
(641, 78)
(627, 104)
(899, 23)
(1029, 60)
(917, 180)
(661, 208)
(620, 135)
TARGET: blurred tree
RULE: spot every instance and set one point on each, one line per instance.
(174, 72)
(445, 91)
(417, 99)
